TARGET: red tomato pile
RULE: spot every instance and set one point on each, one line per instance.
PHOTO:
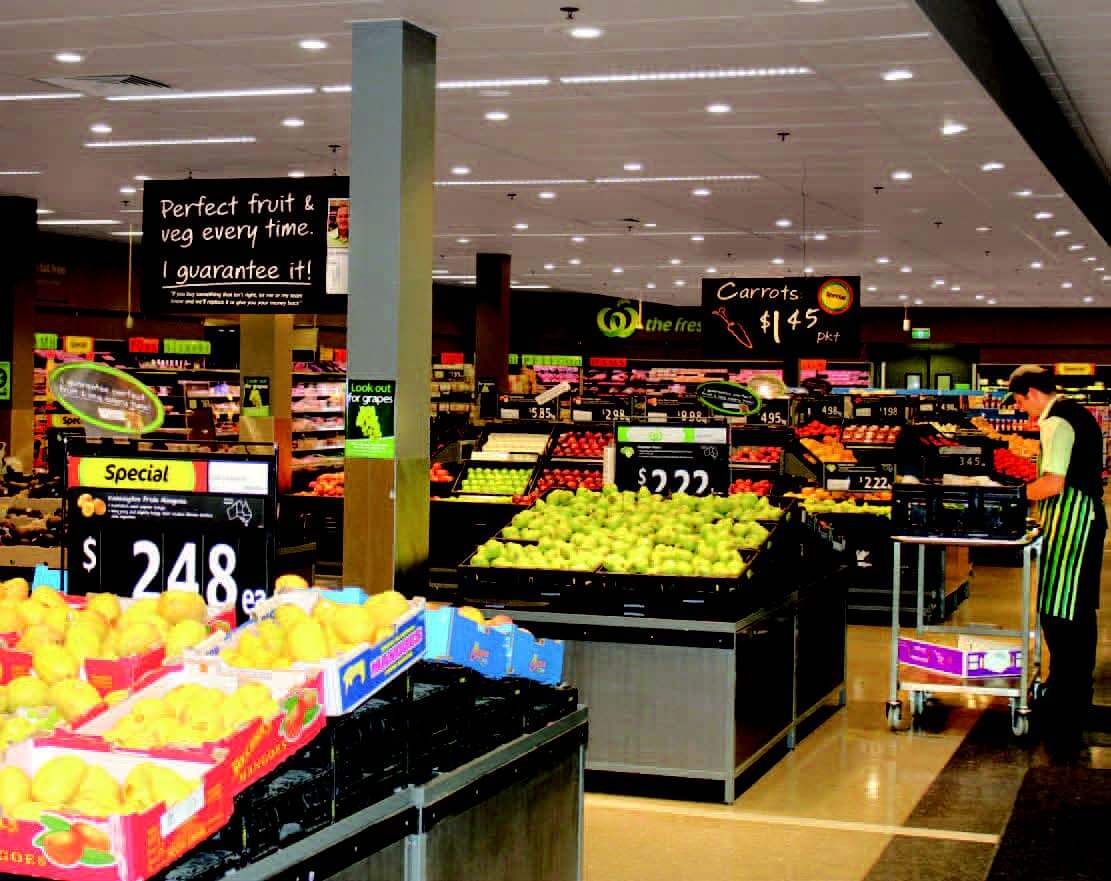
(439, 474)
(1013, 465)
(760, 487)
(768, 455)
(814, 428)
(582, 444)
(871, 434)
(329, 485)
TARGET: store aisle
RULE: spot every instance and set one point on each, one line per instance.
(854, 800)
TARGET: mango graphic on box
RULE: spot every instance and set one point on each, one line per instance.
(301, 709)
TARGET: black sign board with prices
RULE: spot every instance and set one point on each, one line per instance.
(825, 410)
(140, 522)
(601, 409)
(250, 245)
(859, 477)
(931, 408)
(678, 410)
(525, 407)
(777, 317)
(774, 412)
(881, 410)
(673, 458)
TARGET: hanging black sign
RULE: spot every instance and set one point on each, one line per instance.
(600, 409)
(676, 410)
(777, 317)
(525, 407)
(881, 410)
(859, 477)
(245, 245)
(668, 459)
(825, 410)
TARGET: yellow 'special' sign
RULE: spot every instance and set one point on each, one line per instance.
(143, 474)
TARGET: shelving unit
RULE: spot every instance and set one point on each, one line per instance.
(318, 400)
(453, 388)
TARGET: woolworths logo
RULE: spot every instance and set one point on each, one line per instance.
(618, 321)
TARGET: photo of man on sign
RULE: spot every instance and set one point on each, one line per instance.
(339, 237)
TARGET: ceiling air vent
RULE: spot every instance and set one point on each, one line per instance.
(107, 85)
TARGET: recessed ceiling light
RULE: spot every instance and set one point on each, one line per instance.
(901, 174)
(992, 301)
(586, 32)
(463, 241)
(649, 225)
(633, 166)
(701, 192)
(496, 115)
(174, 142)
(978, 297)
(130, 233)
(906, 269)
(313, 44)
(1066, 285)
(698, 238)
(1098, 268)
(883, 260)
(939, 282)
(819, 237)
(651, 285)
(808, 270)
(79, 223)
(575, 261)
(983, 229)
(460, 170)
(100, 128)
(1036, 264)
(680, 283)
(718, 107)
(783, 223)
(679, 75)
(297, 172)
(1107, 278)
(143, 177)
(1044, 215)
(778, 261)
(710, 270)
(487, 87)
(578, 240)
(903, 297)
(440, 271)
(955, 289)
(268, 92)
(953, 128)
(546, 194)
(42, 96)
(1077, 247)
(42, 211)
(520, 226)
(617, 270)
(898, 75)
(871, 289)
(1024, 194)
(992, 166)
(1061, 233)
(128, 191)
(1090, 259)
(549, 266)
(18, 173)
(1089, 299)
(918, 301)
(69, 57)
(675, 261)
(293, 122)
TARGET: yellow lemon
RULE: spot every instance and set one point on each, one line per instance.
(137, 637)
(15, 589)
(148, 709)
(10, 620)
(387, 607)
(15, 787)
(271, 635)
(355, 625)
(93, 620)
(99, 786)
(38, 635)
(28, 810)
(107, 605)
(73, 698)
(182, 605)
(53, 663)
(58, 617)
(31, 612)
(83, 640)
(145, 607)
(289, 581)
(307, 642)
(27, 691)
(289, 615)
(185, 634)
(57, 781)
(48, 596)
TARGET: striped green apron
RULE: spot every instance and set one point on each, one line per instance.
(1066, 522)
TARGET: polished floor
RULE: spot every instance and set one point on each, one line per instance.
(854, 800)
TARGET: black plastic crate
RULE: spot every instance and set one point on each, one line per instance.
(202, 864)
(438, 719)
(495, 720)
(545, 704)
(495, 465)
(444, 673)
(960, 511)
(680, 596)
(357, 794)
(549, 589)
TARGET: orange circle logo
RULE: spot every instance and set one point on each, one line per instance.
(835, 296)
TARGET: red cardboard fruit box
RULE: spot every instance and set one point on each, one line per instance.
(255, 748)
(120, 848)
(106, 676)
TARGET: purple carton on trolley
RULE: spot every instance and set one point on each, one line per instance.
(971, 659)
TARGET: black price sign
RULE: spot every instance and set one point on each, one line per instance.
(963, 460)
(676, 410)
(824, 410)
(600, 409)
(948, 405)
(525, 407)
(247, 245)
(140, 525)
(889, 411)
(857, 477)
(668, 459)
(815, 316)
(773, 413)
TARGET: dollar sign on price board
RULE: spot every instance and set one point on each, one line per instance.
(89, 548)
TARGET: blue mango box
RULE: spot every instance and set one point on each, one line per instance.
(54, 578)
(504, 650)
(537, 659)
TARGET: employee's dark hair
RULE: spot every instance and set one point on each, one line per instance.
(1042, 380)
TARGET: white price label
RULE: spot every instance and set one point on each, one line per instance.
(678, 480)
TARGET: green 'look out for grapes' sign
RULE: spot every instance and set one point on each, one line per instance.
(369, 430)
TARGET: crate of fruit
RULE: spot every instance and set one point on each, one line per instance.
(86, 814)
(360, 644)
(111, 642)
(257, 722)
(582, 443)
(671, 587)
(494, 478)
(519, 574)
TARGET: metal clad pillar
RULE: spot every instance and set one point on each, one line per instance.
(389, 313)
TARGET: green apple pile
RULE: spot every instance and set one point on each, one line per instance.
(496, 481)
(628, 532)
(846, 506)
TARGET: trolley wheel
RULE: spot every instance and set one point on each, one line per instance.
(1020, 722)
(894, 714)
(918, 703)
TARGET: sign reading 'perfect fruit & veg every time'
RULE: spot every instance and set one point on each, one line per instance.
(371, 406)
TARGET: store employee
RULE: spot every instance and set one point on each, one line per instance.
(1074, 523)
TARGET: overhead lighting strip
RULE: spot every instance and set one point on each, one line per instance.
(512, 183)
(545, 182)
(174, 142)
(681, 75)
(690, 178)
(453, 85)
(219, 93)
(42, 96)
(79, 223)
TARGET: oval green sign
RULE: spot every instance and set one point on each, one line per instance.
(730, 398)
(106, 398)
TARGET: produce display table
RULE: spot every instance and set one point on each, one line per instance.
(689, 706)
(515, 812)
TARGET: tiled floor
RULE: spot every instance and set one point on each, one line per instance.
(854, 800)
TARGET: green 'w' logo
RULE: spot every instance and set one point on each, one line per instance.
(618, 321)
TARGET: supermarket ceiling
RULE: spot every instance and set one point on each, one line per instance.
(871, 95)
